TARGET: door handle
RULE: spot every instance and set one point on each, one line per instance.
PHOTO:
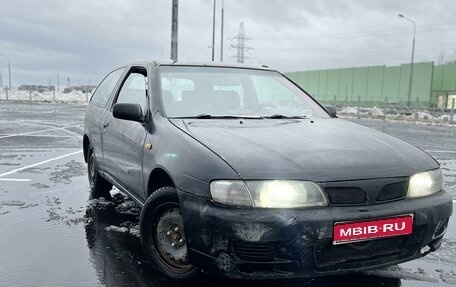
(105, 125)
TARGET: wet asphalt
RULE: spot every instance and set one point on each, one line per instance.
(53, 234)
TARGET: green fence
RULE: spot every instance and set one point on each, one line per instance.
(380, 85)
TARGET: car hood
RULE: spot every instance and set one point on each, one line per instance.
(318, 150)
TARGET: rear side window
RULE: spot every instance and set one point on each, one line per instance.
(104, 90)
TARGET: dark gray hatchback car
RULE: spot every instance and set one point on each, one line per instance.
(242, 174)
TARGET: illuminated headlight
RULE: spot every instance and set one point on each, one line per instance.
(425, 183)
(268, 193)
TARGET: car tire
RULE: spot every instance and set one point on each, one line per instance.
(163, 237)
(98, 185)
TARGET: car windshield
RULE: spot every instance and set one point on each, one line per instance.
(210, 92)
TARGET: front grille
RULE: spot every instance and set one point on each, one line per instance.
(328, 256)
(393, 191)
(254, 251)
(346, 195)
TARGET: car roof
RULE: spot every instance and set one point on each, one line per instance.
(200, 64)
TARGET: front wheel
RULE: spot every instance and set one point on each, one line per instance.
(162, 235)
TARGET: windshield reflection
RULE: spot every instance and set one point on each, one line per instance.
(189, 91)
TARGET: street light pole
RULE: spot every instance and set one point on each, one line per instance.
(174, 30)
(213, 34)
(221, 33)
(411, 62)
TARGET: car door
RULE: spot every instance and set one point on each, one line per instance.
(96, 109)
(123, 140)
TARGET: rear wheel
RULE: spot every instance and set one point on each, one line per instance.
(98, 185)
(162, 235)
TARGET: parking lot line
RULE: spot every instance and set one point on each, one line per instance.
(41, 136)
(36, 132)
(15, 179)
(38, 163)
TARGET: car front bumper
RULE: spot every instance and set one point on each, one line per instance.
(248, 243)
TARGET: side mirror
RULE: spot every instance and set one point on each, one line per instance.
(331, 109)
(129, 112)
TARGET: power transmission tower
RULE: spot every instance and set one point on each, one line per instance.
(240, 45)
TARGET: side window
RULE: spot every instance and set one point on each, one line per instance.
(134, 90)
(104, 90)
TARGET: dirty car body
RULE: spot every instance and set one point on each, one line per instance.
(265, 175)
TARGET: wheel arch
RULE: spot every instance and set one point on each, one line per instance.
(158, 178)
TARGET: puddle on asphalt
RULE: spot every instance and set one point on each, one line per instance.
(64, 173)
(40, 185)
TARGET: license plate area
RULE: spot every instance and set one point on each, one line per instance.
(369, 229)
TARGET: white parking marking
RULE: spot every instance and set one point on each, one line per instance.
(454, 200)
(41, 136)
(15, 179)
(445, 151)
(38, 163)
(36, 132)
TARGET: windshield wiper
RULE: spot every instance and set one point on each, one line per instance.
(280, 116)
(209, 116)
(203, 116)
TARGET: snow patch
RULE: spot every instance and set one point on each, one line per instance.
(401, 273)
(117, 229)
(393, 114)
(100, 202)
(71, 97)
(349, 111)
(377, 112)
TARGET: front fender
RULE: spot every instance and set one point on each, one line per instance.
(190, 164)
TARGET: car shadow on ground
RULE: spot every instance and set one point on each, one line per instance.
(113, 240)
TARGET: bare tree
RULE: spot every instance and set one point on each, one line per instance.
(441, 57)
(444, 58)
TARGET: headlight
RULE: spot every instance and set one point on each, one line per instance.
(425, 183)
(231, 192)
(268, 193)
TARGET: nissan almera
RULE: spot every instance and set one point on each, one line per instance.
(242, 174)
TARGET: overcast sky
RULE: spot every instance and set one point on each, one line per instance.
(85, 39)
